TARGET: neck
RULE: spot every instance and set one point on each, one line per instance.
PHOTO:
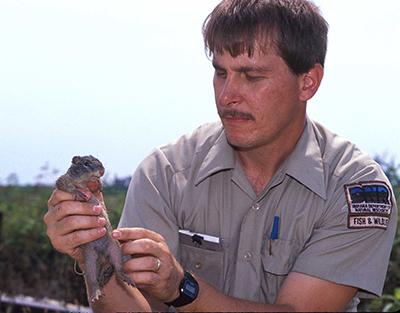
(260, 164)
(259, 167)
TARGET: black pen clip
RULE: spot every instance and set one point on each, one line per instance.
(197, 240)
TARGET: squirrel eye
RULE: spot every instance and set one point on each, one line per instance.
(86, 163)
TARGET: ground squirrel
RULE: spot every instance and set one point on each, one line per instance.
(103, 256)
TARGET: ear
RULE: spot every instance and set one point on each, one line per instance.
(310, 82)
(75, 159)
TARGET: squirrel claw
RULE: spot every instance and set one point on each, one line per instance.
(96, 295)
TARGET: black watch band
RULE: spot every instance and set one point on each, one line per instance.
(188, 291)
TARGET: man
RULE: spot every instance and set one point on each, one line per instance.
(266, 211)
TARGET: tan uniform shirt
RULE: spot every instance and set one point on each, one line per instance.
(196, 184)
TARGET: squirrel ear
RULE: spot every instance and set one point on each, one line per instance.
(75, 159)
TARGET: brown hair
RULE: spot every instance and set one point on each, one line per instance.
(294, 28)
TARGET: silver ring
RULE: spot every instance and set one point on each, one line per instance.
(158, 266)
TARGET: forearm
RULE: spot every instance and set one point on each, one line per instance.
(212, 300)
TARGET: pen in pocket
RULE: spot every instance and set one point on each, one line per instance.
(274, 233)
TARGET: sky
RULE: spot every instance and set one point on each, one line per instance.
(116, 79)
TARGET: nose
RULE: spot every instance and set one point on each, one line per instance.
(227, 92)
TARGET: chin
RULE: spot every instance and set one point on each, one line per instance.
(241, 144)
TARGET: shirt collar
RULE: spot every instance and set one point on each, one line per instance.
(220, 157)
(305, 164)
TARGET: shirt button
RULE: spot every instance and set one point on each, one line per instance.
(248, 256)
(256, 207)
(199, 265)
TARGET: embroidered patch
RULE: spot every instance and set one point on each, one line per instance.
(370, 204)
(368, 221)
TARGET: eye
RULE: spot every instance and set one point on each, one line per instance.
(221, 74)
(86, 163)
(251, 78)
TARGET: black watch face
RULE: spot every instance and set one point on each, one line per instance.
(190, 289)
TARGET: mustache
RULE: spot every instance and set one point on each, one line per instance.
(232, 112)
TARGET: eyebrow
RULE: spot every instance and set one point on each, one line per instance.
(244, 68)
(216, 66)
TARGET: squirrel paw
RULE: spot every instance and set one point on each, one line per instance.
(78, 195)
(100, 185)
(126, 279)
(96, 295)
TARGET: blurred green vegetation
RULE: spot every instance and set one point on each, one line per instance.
(29, 265)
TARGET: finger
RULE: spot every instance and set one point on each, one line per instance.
(93, 186)
(61, 221)
(144, 280)
(81, 237)
(68, 208)
(161, 285)
(135, 233)
(142, 264)
(70, 243)
(140, 247)
(77, 254)
(73, 223)
(73, 228)
(57, 197)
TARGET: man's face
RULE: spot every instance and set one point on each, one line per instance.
(258, 100)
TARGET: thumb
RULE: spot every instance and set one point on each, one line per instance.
(95, 188)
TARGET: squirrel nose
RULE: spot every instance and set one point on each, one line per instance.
(101, 173)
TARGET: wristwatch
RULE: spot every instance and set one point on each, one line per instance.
(188, 291)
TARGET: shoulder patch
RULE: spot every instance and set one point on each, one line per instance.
(370, 204)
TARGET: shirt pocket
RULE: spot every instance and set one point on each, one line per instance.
(278, 256)
(276, 266)
(204, 263)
